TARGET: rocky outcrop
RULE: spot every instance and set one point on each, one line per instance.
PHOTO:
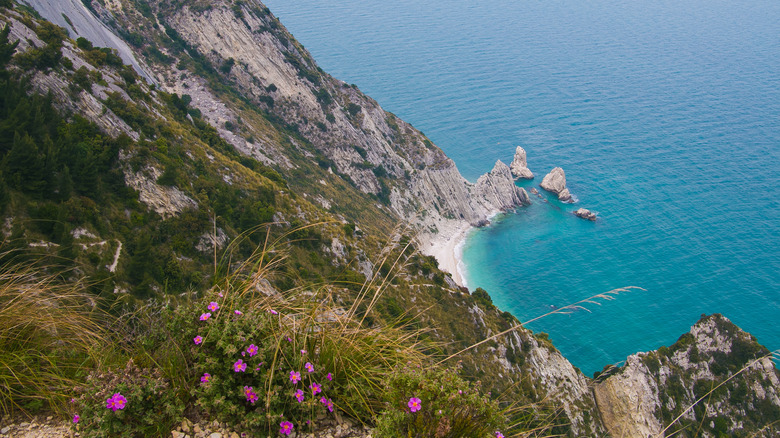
(167, 201)
(79, 22)
(519, 165)
(555, 182)
(644, 396)
(497, 189)
(584, 213)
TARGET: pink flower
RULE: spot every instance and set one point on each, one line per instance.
(251, 395)
(315, 388)
(205, 378)
(499, 434)
(323, 400)
(295, 376)
(116, 402)
(252, 350)
(289, 339)
(414, 404)
(330, 406)
(303, 352)
(273, 312)
(220, 295)
(285, 428)
(299, 395)
(238, 312)
(309, 367)
(213, 306)
(205, 316)
(329, 377)
(239, 366)
(76, 418)
(198, 339)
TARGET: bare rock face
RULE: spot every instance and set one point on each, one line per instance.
(79, 22)
(555, 182)
(498, 188)
(166, 201)
(584, 213)
(519, 165)
(644, 397)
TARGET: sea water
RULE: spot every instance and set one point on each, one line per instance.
(665, 116)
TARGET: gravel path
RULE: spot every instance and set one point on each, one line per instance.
(54, 427)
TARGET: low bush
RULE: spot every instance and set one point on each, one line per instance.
(426, 402)
(128, 402)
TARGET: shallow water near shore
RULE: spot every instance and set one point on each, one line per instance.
(664, 115)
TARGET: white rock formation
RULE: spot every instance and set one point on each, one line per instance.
(166, 201)
(519, 165)
(497, 189)
(585, 214)
(555, 182)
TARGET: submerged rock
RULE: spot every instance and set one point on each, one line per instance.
(555, 182)
(585, 214)
(519, 166)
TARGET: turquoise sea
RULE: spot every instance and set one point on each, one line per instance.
(665, 116)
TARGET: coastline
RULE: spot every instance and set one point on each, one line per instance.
(447, 247)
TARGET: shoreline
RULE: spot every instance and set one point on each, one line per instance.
(447, 247)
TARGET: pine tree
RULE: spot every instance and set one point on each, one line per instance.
(25, 166)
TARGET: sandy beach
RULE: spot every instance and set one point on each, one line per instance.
(447, 246)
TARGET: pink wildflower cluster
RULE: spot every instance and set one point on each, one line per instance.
(328, 403)
(251, 395)
(116, 402)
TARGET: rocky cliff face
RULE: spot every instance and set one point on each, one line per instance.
(645, 396)
(373, 150)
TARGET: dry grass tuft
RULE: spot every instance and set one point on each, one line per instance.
(49, 333)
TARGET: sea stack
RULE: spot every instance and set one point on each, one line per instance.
(585, 214)
(555, 182)
(519, 166)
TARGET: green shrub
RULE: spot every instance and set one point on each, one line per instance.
(253, 369)
(149, 407)
(425, 402)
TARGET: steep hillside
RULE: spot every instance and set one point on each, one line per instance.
(141, 186)
(185, 171)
